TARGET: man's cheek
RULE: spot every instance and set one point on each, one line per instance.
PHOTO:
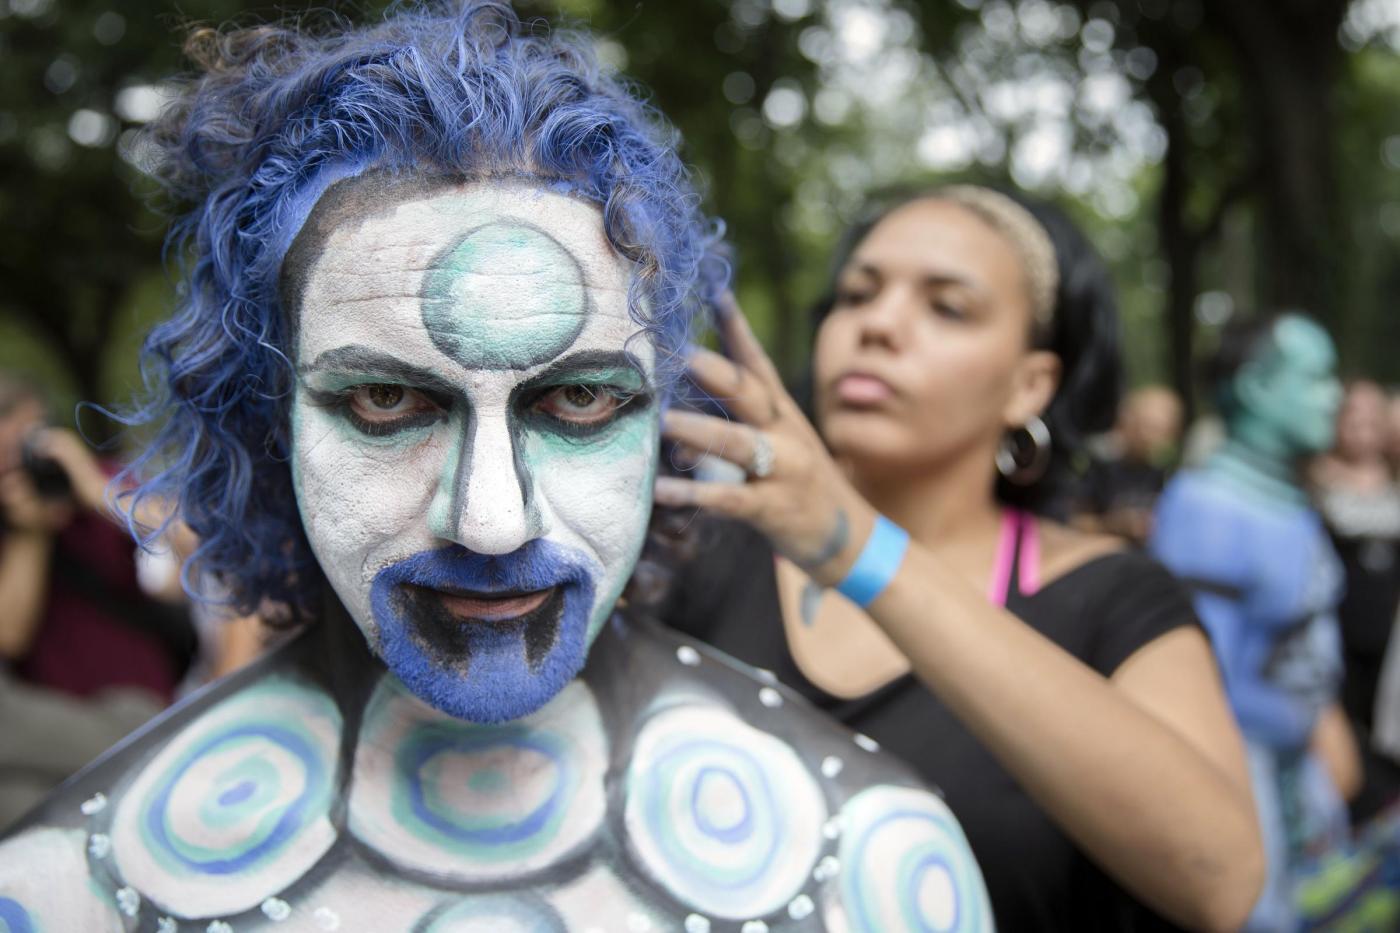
(604, 498)
(353, 496)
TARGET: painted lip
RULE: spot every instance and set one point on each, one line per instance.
(858, 389)
(497, 607)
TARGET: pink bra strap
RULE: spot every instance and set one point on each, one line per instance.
(1015, 524)
(1029, 583)
(1000, 585)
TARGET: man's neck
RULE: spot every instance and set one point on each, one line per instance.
(1260, 469)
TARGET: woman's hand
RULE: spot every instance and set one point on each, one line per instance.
(795, 493)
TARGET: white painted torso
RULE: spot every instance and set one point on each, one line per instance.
(668, 788)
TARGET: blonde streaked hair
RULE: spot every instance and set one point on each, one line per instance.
(1025, 234)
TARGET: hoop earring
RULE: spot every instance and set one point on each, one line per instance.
(1022, 462)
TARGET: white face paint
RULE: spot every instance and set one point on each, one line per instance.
(474, 436)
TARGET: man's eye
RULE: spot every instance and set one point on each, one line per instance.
(384, 408)
(380, 400)
(581, 404)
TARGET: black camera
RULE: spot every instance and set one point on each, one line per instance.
(49, 477)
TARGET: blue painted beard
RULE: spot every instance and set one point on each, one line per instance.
(485, 670)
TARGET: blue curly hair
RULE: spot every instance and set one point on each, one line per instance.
(279, 113)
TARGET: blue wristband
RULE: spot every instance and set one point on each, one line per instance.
(877, 564)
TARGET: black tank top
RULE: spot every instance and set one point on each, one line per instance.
(1100, 612)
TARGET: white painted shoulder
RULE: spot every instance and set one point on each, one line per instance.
(45, 885)
(234, 808)
(904, 865)
(724, 816)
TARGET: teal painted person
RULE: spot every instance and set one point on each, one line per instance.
(1240, 530)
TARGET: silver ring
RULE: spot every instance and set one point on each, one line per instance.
(761, 464)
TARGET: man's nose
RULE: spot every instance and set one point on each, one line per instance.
(483, 495)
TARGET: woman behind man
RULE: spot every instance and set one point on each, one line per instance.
(1057, 688)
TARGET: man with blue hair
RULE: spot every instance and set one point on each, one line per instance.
(441, 275)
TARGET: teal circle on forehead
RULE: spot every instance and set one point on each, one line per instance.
(505, 295)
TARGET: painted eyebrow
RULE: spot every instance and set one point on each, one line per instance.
(361, 360)
(583, 361)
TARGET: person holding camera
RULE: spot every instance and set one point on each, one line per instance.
(85, 654)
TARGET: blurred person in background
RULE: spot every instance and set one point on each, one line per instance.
(1385, 725)
(1355, 491)
(1055, 685)
(1241, 531)
(1392, 430)
(1121, 490)
(85, 654)
(226, 639)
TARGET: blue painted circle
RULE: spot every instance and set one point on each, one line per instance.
(13, 917)
(269, 840)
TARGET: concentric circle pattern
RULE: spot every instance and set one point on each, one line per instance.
(44, 885)
(14, 917)
(235, 808)
(720, 814)
(471, 802)
(906, 866)
(494, 913)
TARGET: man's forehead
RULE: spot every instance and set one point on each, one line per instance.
(390, 221)
(496, 276)
(1304, 344)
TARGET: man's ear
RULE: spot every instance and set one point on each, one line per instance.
(1036, 378)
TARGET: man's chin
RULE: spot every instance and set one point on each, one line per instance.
(486, 670)
(486, 639)
(483, 698)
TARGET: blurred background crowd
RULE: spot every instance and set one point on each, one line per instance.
(1223, 157)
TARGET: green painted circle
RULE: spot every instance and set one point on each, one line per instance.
(505, 296)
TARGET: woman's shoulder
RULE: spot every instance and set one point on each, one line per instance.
(1120, 598)
(1064, 550)
(1099, 562)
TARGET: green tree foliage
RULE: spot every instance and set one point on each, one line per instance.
(1225, 154)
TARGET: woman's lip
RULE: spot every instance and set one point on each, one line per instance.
(486, 608)
(862, 389)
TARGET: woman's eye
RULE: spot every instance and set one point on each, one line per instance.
(949, 310)
(581, 404)
(382, 402)
(851, 296)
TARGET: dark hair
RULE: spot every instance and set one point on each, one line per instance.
(1083, 333)
(1242, 339)
(277, 115)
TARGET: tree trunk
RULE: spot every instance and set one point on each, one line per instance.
(1288, 58)
(1178, 243)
